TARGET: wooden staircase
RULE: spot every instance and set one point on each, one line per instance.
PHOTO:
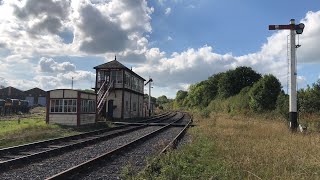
(102, 94)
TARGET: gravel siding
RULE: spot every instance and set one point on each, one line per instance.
(136, 158)
(54, 165)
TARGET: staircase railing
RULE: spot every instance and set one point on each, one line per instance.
(102, 94)
(101, 90)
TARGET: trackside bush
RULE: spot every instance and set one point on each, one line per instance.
(263, 95)
(282, 106)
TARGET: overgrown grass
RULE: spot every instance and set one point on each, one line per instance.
(240, 147)
(34, 128)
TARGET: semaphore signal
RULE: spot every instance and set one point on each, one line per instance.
(294, 29)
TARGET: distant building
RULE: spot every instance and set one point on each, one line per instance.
(11, 93)
(36, 96)
(146, 108)
(119, 91)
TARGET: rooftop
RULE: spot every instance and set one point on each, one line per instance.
(115, 65)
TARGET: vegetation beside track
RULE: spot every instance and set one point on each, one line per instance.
(19, 130)
(240, 147)
(242, 131)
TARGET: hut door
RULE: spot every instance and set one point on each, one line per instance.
(110, 108)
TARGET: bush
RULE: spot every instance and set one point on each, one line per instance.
(205, 113)
(282, 106)
(263, 95)
(233, 81)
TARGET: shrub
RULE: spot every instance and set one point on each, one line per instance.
(263, 95)
(282, 106)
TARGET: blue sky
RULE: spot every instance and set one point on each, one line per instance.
(176, 42)
(239, 27)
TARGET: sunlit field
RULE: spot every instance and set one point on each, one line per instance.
(237, 147)
(17, 130)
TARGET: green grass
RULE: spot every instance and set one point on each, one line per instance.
(34, 128)
(240, 147)
(199, 160)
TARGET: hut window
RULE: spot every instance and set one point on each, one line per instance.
(127, 106)
(134, 106)
(92, 106)
(88, 106)
(134, 83)
(127, 79)
(119, 76)
(101, 76)
(113, 75)
(63, 105)
(70, 105)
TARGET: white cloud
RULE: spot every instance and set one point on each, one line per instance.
(167, 11)
(301, 81)
(194, 65)
(186, 67)
(34, 28)
(59, 75)
(161, 2)
(308, 52)
(111, 27)
(51, 66)
(31, 29)
(3, 82)
(58, 27)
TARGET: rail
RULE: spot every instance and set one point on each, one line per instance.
(53, 147)
(69, 173)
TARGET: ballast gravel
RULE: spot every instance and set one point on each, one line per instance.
(54, 165)
(135, 159)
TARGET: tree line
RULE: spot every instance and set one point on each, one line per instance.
(242, 90)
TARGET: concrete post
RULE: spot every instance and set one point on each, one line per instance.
(293, 80)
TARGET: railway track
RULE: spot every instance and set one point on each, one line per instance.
(23, 154)
(41, 167)
(103, 166)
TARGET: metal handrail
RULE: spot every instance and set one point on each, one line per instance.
(101, 89)
(103, 96)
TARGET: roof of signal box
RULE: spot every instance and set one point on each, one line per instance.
(115, 65)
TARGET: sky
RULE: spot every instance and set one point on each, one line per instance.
(46, 43)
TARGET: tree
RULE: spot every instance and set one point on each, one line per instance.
(152, 99)
(309, 99)
(233, 81)
(181, 95)
(282, 106)
(181, 99)
(87, 90)
(263, 94)
(162, 100)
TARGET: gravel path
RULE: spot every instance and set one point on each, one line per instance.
(54, 165)
(135, 159)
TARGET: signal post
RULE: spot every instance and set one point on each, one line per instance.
(294, 29)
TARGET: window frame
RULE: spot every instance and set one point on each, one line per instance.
(88, 106)
(63, 106)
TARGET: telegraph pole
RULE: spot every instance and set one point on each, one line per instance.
(294, 29)
(149, 100)
(71, 82)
